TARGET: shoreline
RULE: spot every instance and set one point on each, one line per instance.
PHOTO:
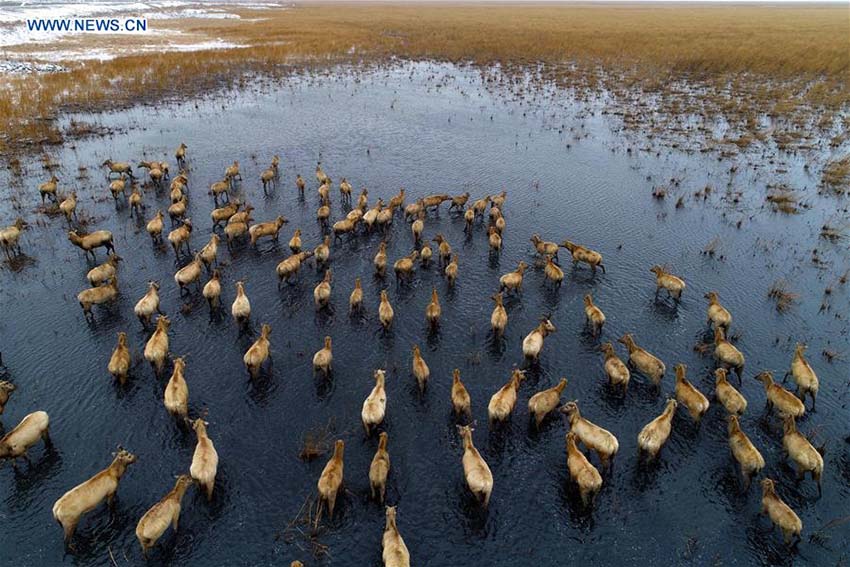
(583, 48)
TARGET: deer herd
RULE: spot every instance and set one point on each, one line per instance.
(584, 439)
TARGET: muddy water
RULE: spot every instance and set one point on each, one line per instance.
(569, 174)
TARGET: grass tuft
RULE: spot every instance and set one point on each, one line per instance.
(782, 295)
(836, 174)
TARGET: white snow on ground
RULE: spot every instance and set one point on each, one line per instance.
(103, 54)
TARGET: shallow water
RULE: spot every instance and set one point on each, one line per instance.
(431, 129)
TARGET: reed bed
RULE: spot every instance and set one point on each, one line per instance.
(736, 61)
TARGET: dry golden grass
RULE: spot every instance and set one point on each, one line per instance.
(783, 200)
(836, 174)
(751, 58)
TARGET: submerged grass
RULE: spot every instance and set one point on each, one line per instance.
(317, 442)
(782, 295)
(729, 52)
